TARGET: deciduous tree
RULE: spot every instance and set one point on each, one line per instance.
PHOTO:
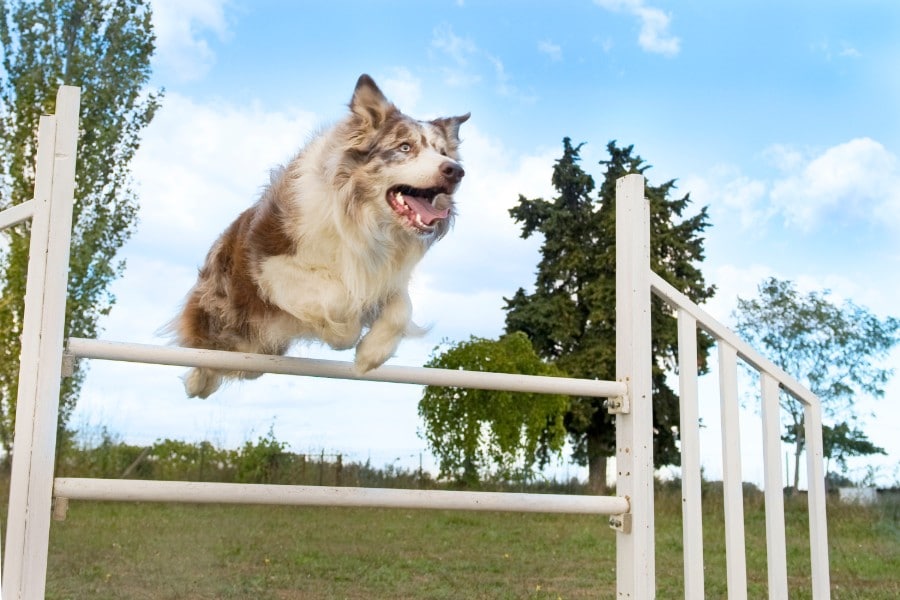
(477, 433)
(103, 46)
(835, 351)
(843, 441)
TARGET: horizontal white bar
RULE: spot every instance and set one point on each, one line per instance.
(286, 365)
(16, 214)
(304, 495)
(750, 355)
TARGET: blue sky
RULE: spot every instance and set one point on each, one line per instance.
(781, 117)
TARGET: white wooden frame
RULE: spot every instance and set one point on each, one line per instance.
(773, 379)
(33, 486)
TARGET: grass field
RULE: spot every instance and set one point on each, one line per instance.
(133, 551)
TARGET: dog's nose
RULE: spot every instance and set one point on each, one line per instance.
(452, 171)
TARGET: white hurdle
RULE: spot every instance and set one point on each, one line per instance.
(333, 369)
(314, 495)
(632, 511)
(28, 517)
(773, 379)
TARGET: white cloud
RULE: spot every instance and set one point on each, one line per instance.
(403, 88)
(848, 51)
(182, 30)
(859, 179)
(783, 157)
(460, 50)
(654, 34)
(843, 50)
(467, 62)
(199, 165)
(733, 282)
(725, 188)
(554, 51)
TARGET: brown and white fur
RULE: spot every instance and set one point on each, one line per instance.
(327, 251)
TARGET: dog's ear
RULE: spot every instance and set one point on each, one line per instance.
(450, 126)
(369, 104)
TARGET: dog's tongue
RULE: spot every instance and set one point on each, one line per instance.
(428, 213)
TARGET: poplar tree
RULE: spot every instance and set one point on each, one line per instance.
(570, 314)
(104, 47)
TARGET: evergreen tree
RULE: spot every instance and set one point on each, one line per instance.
(570, 315)
(103, 46)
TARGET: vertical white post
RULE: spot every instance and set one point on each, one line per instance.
(689, 430)
(818, 524)
(635, 568)
(733, 487)
(776, 549)
(31, 483)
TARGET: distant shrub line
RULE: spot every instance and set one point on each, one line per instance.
(265, 460)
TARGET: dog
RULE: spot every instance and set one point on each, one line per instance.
(327, 251)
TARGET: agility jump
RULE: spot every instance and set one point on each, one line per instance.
(44, 351)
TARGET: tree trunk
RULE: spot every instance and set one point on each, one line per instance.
(597, 461)
(799, 444)
(597, 475)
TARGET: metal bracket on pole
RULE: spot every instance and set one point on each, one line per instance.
(619, 405)
(60, 508)
(621, 522)
(68, 365)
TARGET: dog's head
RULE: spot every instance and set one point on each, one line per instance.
(402, 172)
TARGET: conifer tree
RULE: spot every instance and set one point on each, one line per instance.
(570, 315)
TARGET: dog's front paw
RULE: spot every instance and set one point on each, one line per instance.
(371, 355)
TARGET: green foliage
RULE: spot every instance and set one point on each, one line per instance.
(260, 462)
(843, 441)
(103, 46)
(833, 350)
(570, 315)
(200, 461)
(267, 460)
(478, 433)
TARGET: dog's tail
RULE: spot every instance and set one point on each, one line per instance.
(416, 331)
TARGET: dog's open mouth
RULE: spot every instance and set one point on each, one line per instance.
(416, 206)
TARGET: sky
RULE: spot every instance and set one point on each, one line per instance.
(781, 118)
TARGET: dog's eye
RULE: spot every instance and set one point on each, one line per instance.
(405, 147)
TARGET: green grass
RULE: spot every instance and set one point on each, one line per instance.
(134, 550)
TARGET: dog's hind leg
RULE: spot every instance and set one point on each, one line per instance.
(380, 343)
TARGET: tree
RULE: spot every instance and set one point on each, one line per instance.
(843, 441)
(570, 315)
(103, 46)
(478, 432)
(832, 350)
